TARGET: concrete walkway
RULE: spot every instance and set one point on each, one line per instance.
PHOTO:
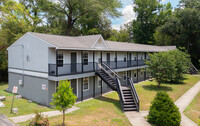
(24, 118)
(4, 121)
(184, 101)
(137, 118)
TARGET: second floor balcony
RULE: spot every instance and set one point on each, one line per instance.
(78, 68)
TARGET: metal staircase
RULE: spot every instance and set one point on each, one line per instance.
(193, 69)
(124, 86)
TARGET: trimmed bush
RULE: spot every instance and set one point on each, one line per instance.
(163, 111)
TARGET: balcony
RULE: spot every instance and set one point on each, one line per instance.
(78, 68)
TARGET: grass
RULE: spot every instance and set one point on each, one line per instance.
(105, 110)
(193, 109)
(24, 107)
(147, 90)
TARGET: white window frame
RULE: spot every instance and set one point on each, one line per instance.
(86, 58)
(60, 59)
(87, 83)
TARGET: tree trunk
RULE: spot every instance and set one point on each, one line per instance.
(63, 117)
(158, 85)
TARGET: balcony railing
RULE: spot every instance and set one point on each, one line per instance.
(78, 68)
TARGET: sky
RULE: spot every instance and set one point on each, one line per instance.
(128, 14)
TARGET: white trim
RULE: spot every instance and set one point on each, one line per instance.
(28, 33)
(97, 41)
(30, 73)
(88, 84)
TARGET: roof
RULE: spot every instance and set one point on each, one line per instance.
(87, 42)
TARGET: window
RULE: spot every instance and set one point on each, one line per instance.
(141, 58)
(85, 84)
(99, 82)
(60, 59)
(85, 58)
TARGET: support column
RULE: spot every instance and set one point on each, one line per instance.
(116, 59)
(93, 61)
(144, 73)
(137, 75)
(82, 61)
(127, 59)
(81, 89)
(101, 87)
(56, 62)
(137, 58)
(101, 58)
(94, 86)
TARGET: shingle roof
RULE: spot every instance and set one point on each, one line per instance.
(86, 42)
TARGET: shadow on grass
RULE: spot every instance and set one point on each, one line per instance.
(156, 88)
(115, 102)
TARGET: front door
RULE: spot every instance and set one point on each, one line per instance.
(74, 86)
(129, 59)
(73, 62)
(108, 58)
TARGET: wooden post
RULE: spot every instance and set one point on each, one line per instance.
(12, 104)
(101, 58)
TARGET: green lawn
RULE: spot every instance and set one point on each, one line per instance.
(102, 111)
(147, 90)
(24, 107)
(193, 110)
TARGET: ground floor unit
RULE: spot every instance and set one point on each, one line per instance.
(40, 90)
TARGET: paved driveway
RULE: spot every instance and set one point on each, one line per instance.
(4, 121)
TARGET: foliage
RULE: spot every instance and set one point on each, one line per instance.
(163, 111)
(168, 66)
(182, 29)
(64, 98)
(150, 14)
(39, 120)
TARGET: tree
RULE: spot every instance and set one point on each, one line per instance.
(64, 98)
(73, 10)
(163, 111)
(150, 14)
(161, 66)
(168, 66)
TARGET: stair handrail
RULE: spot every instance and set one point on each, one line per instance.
(100, 66)
(194, 68)
(134, 92)
(112, 70)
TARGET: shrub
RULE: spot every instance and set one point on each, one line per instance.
(168, 66)
(163, 111)
(39, 120)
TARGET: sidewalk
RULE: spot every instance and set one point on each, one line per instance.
(24, 118)
(137, 118)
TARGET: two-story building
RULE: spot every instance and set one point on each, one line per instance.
(36, 63)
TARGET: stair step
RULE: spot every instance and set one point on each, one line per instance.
(129, 100)
(130, 109)
(129, 103)
(130, 106)
(128, 97)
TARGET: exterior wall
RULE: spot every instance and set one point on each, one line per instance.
(29, 53)
(31, 89)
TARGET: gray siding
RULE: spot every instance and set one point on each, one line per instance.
(31, 89)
